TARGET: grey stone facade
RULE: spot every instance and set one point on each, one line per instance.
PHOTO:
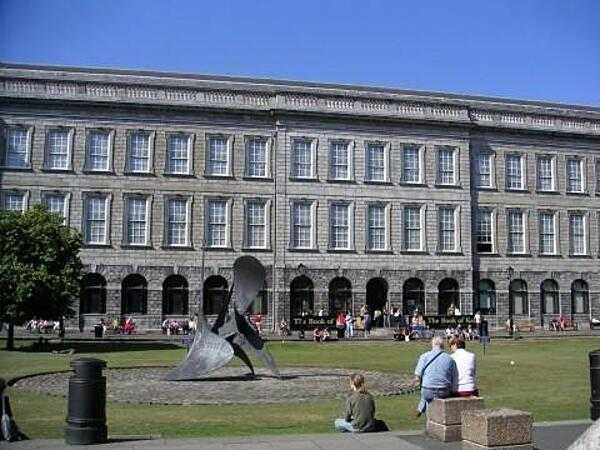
(39, 99)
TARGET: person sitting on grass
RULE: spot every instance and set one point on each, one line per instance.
(359, 416)
(317, 335)
(325, 336)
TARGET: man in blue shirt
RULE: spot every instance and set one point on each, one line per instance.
(436, 373)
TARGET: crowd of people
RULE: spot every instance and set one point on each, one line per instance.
(36, 325)
(172, 326)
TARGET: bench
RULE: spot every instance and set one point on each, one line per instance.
(525, 325)
(487, 429)
(444, 416)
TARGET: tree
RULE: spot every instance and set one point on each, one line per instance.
(40, 270)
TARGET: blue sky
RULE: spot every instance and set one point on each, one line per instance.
(530, 49)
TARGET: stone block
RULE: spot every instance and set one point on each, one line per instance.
(497, 427)
(448, 411)
(468, 445)
(444, 433)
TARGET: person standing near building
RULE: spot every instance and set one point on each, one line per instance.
(349, 325)
(367, 323)
(465, 365)
(436, 374)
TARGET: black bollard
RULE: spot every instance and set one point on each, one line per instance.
(595, 384)
(86, 415)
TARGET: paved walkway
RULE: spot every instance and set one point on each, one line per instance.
(548, 436)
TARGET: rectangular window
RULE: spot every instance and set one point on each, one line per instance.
(177, 222)
(376, 238)
(58, 150)
(516, 232)
(411, 170)
(13, 201)
(178, 158)
(574, 175)
(412, 228)
(485, 231)
(547, 234)
(16, 154)
(255, 224)
(136, 220)
(96, 220)
(302, 158)
(545, 165)
(301, 225)
(484, 170)
(339, 160)
(339, 226)
(514, 172)
(447, 229)
(256, 157)
(98, 151)
(577, 234)
(375, 162)
(598, 175)
(217, 223)
(218, 156)
(56, 204)
(446, 163)
(138, 160)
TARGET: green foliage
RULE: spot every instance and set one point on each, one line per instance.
(40, 269)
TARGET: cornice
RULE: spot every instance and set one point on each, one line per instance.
(265, 95)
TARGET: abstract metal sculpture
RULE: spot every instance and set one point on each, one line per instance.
(232, 333)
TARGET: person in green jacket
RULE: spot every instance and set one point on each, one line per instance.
(360, 408)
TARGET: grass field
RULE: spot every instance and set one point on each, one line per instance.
(550, 378)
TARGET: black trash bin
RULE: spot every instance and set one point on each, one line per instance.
(98, 331)
(595, 384)
(86, 413)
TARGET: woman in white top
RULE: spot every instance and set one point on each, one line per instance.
(465, 363)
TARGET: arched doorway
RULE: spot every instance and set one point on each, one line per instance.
(549, 297)
(413, 296)
(175, 296)
(518, 302)
(579, 297)
(92, 298)
(486, 297)
(215, 294)
(340, 296)
(302, 297)
(448, 294)
(377, 297)
(134, 295)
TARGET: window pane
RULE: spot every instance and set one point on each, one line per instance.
(96, 220)
(177, 222)
(218, 156)
(339, 161)
(255, 222)
(412, 228)
(446, 166)
(574, 175)
(302, 225)
(139, 152)
(377, 232)
(58, 149)
(545, 174)
(257, 158)
(516, 232)
(577, 234)
(484, 231)
(55, 204)
(410, 165)
(514, 173)
(547, 242)
(14, 201)
(217, 223)
(16, 148)
(339, 223)
(484, 169)
(302, 159)
(178, 154)
(447, 229)
(136, 221)
(98, 151)
(376, 162)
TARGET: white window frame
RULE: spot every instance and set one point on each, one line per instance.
(597, 174)
(189, 137)
(66, 203)
(524, 225)
(492, 164)
(350, 206)
(110, 149)
(420, 161)
(493, 229)
(350, 154)
(268, 156)
(387, 221)
(266, 203)
(86, 196)
(386, 161)
(457, 231)
(582, 173)
(555, 224)
(28, 146)
(151, 135)
(229, 140)
(552, 159)
(313, 158)
(24, 202)
(522, 161)
(584, 216)
(312, 204)
(455, 162)
(188, 218)
(228, 211)
(70, 137)
(148, 225)
(422, 227)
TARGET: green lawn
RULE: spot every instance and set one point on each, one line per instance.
(550, 378)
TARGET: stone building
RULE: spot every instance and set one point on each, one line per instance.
(348, 195)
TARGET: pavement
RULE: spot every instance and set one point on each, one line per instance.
(547, 436)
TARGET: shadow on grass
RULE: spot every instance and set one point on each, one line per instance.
(43, 346)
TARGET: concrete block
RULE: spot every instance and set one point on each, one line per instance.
(468, 445)
(447, 411)
(497, 427)
(444, 433)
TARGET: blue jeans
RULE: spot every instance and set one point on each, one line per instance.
(344, 426)
(428, 394)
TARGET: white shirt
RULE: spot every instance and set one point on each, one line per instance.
(465, 363)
